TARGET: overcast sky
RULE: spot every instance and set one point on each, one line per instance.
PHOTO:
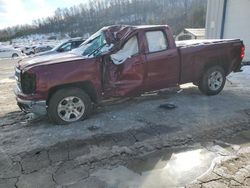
(14, 12)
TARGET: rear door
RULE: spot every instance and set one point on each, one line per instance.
(162, 61)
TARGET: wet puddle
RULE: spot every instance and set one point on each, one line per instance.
(171, 168)
(160, 169)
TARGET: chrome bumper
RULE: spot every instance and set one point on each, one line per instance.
(36, 107)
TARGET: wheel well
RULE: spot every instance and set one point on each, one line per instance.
(87, 86)
(218, 62)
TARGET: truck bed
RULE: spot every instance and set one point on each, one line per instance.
(188, 43)
(195, 55)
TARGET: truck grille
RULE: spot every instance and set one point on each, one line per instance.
(28, 83)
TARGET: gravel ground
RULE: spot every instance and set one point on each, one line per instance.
(34, 151)
(229, 171)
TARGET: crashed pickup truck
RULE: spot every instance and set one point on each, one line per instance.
(121, 61)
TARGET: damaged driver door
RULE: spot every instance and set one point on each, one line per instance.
(126, 70)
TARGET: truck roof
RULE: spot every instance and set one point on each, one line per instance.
(116, 33)
(134, 27)
(150, 26)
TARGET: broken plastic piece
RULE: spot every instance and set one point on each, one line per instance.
(229, 81)
(179, 91)
(168, 106)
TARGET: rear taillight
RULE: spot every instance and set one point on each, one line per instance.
(242, 54)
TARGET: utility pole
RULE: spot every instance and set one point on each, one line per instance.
(185, 12)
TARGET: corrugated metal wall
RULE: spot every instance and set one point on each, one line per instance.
(214, 18)
(237, 21)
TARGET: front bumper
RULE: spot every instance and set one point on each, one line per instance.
(36, 107)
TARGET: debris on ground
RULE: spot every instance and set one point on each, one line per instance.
(230, 82)
(93, 128)
(168, 106)
(179, 91)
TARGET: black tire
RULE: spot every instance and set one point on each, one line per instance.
(14, 55)
(58, 98)
(210, 84)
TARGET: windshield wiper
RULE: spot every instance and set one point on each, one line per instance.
(97, 49)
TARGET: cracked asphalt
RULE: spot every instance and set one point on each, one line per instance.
(35, 153)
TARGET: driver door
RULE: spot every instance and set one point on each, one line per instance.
(126, 70)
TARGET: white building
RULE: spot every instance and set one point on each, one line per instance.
(191, 33)
(229, 19)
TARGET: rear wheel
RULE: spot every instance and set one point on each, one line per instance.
(14, 55)
(68, 106)
(212, 81)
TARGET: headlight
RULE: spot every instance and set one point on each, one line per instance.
(17, 74)
(28, 83)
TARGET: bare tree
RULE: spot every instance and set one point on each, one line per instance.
(78, 20)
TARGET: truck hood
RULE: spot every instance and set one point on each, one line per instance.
(28, 63)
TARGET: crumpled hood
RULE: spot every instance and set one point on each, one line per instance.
(28, 63)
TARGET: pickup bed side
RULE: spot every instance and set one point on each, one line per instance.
(195, 59)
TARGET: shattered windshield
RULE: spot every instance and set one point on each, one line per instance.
(94, 46)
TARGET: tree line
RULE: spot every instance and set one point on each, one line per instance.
(88, 18)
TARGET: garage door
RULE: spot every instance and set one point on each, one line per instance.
(237, 23)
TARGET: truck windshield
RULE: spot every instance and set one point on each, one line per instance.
(93, 46)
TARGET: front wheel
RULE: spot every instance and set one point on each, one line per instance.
(68, 106)
(212, 81)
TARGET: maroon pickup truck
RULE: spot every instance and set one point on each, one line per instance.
(121, 61)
